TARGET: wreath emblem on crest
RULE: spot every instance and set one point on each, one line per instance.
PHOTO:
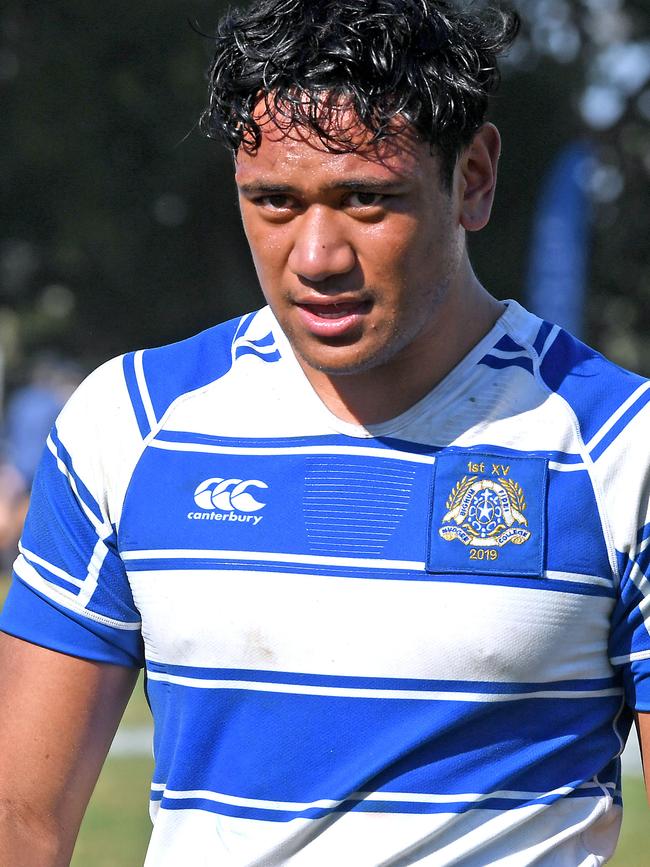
(486, 513)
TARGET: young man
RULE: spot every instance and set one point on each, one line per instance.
(381, 545)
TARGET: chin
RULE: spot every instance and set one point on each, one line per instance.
(345, 361)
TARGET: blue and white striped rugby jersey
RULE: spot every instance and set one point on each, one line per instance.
(416, 643)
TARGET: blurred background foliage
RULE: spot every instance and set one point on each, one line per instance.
(120, 227)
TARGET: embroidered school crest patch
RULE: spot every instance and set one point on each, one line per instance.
(488, 514)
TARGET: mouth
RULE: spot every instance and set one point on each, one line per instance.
(329, 318)
(336, 309)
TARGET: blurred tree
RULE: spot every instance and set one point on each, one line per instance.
(581, 69)
(121, 227)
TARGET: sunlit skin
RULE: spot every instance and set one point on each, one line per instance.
(362, 258)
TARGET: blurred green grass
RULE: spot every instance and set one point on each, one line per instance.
(116, 827)
(632, 850)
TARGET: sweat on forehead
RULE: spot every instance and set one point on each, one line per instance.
(328, 122)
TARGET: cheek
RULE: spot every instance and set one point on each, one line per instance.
(266, 246)
(384, 251)
(434, 252)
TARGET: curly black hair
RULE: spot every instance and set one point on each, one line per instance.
(427, 62)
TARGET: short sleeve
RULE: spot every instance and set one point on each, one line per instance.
(626, 486)
(630, 632)
(70, 590)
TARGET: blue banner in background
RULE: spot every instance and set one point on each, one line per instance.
(557, 274)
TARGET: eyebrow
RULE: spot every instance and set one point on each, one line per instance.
(264, 187)
(374, 185)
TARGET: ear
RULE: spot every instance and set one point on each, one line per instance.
(477, 167)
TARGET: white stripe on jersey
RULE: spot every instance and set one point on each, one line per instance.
(620, 412)
(567, 468)
(409, 628)
(271, 557)
(400, 797)
(101, 527)
(595, 580)
(630, 657)
(143, 388)
(550, 340)
(400, 694)
(358, 451)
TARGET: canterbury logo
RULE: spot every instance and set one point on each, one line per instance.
(228, 495)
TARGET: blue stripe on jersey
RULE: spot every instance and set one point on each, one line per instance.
(542, 337)
(507, 344)
(190, 364)
(642, 560)
(347, 505)
(594, 387)
(622, 560)
(84, 494)
(389, 745)
(629, 634)
(576, 539)
(242, 324)
(564, 458)
(497, 363)
(56, 528)
(328, 505)
(251, 350)
(637, 684)
(375, 508)
(381, 683)
(128, 366)
(268, 340)
(643, 534)
(621, 424)
(30, 615)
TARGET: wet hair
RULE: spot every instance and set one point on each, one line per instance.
(430, 63)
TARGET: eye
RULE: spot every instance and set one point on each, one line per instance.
(365, 200)
(275, 202)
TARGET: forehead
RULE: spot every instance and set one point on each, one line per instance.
(292, 154)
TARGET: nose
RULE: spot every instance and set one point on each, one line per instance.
(320, 248)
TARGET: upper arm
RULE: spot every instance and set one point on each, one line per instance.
(59, 707)
(643, 729)
(59, 715)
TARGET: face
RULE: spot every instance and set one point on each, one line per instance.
(357, 253)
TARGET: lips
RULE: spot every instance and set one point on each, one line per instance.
(329, 318)
(338, 309)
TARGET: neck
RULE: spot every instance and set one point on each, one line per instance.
(384, 392)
